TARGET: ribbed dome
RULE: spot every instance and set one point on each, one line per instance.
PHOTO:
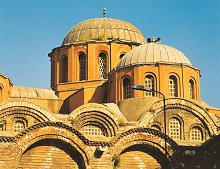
(102, 29)
(152, 53)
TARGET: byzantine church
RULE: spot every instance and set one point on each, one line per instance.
(92, 118)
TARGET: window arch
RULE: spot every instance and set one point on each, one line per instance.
(64, 69)
(19, 124)
(103, 65)
(196, 133)
(121, 55)
(156, 127)
(126, 88)
(173, 86)
(191, 89)
(92, 130)
(82, 66)
(150, 82)
(175, 128)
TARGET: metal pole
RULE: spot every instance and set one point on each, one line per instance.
(165, 120)
(165, 123)
(144, 88)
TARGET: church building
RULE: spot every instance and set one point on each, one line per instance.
(116, 100)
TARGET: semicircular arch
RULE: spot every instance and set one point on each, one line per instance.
(178, 103)
(50, 130)
(26, 108)
(99, 114)
(145, 136)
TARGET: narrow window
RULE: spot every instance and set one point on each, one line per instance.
(191, 89)
(19, 126)
(173, 88)
(196, 134)
(64, 70)
(53, 73)
(127, 88)
(102, 65)
(82, 66)
(3, 126)
(174, 129)
(149, 82)
(1, 93)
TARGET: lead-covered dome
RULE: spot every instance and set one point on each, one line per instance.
(152, 53)
(102, 29)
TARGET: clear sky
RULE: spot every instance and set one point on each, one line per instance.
(30, 29)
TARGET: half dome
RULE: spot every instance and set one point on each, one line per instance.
(102, 29)
(152, 53)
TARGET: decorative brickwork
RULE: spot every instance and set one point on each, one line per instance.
(187, 106)
(96, 114)
(27, 109)
(93, 119)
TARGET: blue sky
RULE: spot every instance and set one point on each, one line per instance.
(30, 29)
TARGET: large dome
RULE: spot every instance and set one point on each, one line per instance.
(103, 29)
(152, 53)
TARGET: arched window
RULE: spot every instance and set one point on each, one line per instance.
(91, 130)
(121, 55)
(82, 66)
(64, 69)
(102, 65)
(175, 128)
(126, 88)
(19, 126)
(173, 88)
(196, 134)
(191, 89)
(156, 127)
(149, 82)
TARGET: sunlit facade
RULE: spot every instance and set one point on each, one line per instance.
(90, 117)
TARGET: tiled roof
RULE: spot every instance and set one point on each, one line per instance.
(153, 53)
(102, 29)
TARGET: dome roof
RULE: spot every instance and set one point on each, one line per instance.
(152, 53)
(103, 29)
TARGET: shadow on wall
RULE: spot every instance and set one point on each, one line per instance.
(100, 94)
(55, 151)
(84, 96)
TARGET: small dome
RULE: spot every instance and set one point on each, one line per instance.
(102, 29)
(152, 53)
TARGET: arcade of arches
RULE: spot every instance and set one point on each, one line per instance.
(92, 118)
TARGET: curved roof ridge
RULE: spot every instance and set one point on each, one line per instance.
(153, 51)
(160, 52)
(174, 55)
(178, 53)
(166, 51)
(138, 55)
(186, 59)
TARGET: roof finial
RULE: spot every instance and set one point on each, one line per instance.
(104, 11)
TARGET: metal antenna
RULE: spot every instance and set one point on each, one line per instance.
(104, 11)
